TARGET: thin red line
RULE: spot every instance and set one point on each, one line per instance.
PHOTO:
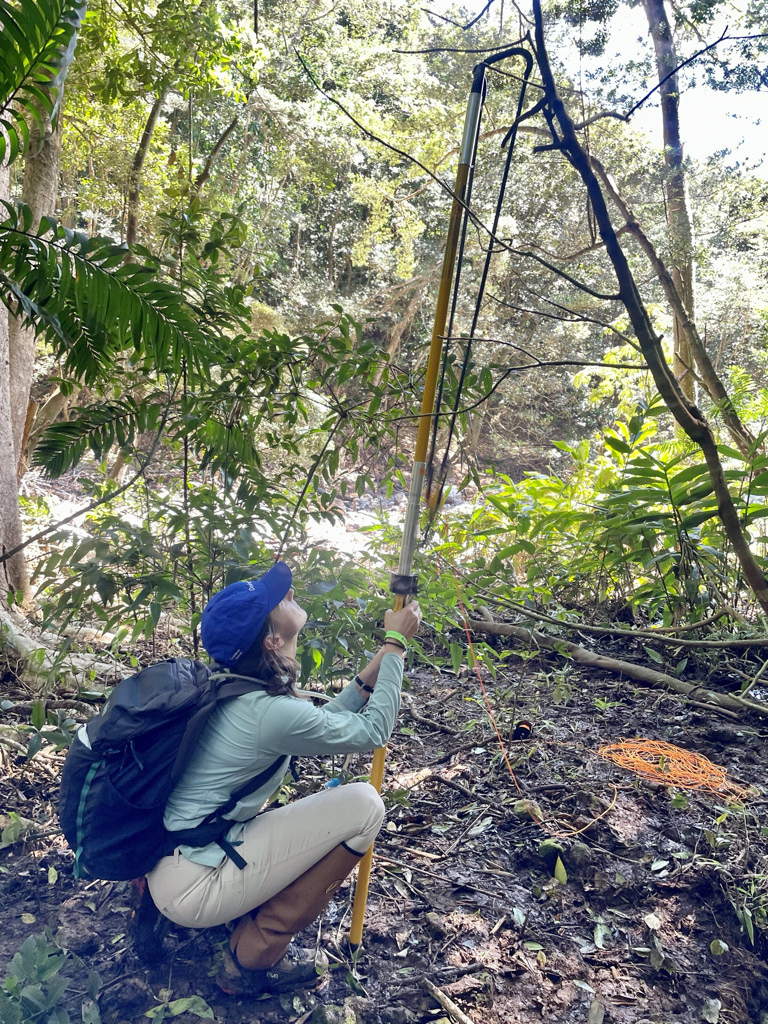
(476, 667)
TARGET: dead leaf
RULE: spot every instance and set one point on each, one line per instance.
(710, 1011)
(596, 1013)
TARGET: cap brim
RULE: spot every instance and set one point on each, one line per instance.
(277, 583)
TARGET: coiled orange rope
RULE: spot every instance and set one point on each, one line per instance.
(673, 766)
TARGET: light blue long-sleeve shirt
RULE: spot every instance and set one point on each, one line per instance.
(245, 735)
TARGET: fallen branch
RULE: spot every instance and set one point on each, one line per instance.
(641, 673)
(440, 878)
(74, 669)
(636, 634)
(446, 974)
(446, 1003)
(452, 784)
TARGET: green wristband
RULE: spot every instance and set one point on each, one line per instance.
(392, 634)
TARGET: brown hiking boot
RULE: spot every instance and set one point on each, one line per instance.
(299, 968)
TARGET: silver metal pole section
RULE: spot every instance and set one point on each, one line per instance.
(411, 524)
(470, 125)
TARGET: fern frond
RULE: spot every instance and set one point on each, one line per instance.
(37, 44)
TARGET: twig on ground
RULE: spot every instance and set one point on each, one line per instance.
(499, 924)
(432, 725)
(475, 821)
(452, 784)
(716, 710)
(445, 974)
(440, 878)
(446, 1003)
(452, 753)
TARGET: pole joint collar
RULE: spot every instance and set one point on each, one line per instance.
(404, 585)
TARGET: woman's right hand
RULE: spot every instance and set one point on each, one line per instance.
(405, 621)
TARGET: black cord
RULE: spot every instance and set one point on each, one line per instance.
(512, 137)
(454, 301)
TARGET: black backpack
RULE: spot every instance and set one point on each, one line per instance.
(113, 794)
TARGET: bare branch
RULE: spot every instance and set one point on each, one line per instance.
(674, 71)
(690, 418)
(537, 362)
(573, 318)
(742, 437)
(457, 49)
(205, 174)
(599, 117)
(457, 24)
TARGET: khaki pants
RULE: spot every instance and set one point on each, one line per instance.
(277, 846)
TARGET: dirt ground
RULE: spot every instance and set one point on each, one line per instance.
(464, 895)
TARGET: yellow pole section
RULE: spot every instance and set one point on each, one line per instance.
(410, 527)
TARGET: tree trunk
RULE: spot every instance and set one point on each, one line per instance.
(39, 191)
(13, 572)
(684, 411)
(205, 174)
(675, 187)
(134, 188)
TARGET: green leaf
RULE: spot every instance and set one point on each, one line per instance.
(653, 655)
(34, 745)
(90, 1012)
(746, 920)
(617, 444)
(37, 718)
(37, 44)
(560, 873)
(457, 656)
(190, 1004)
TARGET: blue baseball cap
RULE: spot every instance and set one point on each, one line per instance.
(233, 618)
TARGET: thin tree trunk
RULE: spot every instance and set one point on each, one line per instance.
(205, 174)
(39, 191)
(685, 413)
(675, 187)
(47, 413)
(13, 572)
(134, 188)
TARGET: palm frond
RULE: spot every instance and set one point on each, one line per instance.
(96, 427)
(92, 304)
(37, 44)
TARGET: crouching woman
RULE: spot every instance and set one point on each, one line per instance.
(295, 857)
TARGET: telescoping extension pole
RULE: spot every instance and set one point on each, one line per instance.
(403, 583)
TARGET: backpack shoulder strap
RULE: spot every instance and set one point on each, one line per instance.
(227, 685)
(214, 827)
(230, 684)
